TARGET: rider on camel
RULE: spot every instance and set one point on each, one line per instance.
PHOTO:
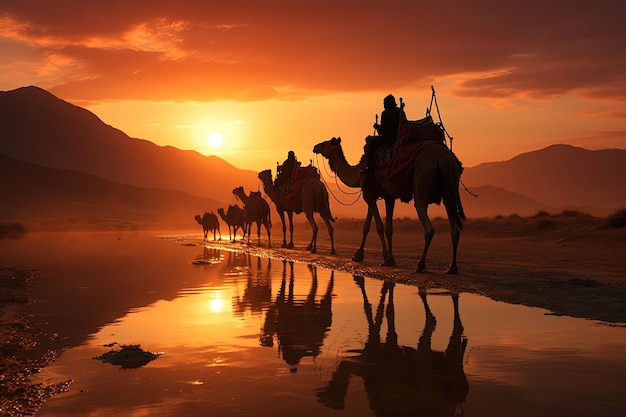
(388, 130)
(285, 171)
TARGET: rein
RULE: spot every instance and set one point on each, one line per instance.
(336, 178)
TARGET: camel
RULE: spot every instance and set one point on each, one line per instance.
(256, 210)
(233, 217)
(222, 214)
(433, 177)
(403, 380)
(209, 222)
(312, 197)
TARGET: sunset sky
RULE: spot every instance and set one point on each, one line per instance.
(270, 76)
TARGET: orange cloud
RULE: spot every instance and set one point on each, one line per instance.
(196, 50)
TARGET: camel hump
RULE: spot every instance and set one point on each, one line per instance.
(300, 176)
(422, 130)
(301, 173)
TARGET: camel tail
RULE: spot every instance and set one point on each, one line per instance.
(461, 213)
(452, 198)
(324, 206)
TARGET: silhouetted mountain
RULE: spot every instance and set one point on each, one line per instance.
(38, 127)
(559, 175)
(54, 199)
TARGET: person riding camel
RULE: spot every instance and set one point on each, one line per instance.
(285, 171)
(388, 130)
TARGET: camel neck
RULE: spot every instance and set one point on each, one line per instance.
(243, 197)
(348, 174)
(268, 187)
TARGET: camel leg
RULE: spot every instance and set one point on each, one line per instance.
(331, 234)
(455, 234)
(249, 231)
(290, 217)
(313, 245)
(390, 204)
(269, 237)
(429, 232)
(360, 252)
(380, 229)
(282, 220)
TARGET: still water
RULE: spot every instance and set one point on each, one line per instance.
(238, 335)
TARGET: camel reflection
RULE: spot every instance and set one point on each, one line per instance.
(300, 326)
(257, 294)
(209, 257)
(401, 380)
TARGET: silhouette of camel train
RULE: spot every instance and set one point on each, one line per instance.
(415, 165)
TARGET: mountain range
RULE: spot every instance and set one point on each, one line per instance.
(62, 165)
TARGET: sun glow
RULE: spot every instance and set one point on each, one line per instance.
(216, 304)
(215, 140)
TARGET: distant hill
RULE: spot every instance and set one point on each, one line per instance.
(559, 175)
(38, 127)
(52, 199)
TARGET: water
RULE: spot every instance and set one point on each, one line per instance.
(239, 335)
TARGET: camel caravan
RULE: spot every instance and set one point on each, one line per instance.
(405, 159)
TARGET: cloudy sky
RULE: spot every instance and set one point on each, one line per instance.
(270, 76)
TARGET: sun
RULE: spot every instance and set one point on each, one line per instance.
(215, 140)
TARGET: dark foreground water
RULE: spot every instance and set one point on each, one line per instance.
(236, 335)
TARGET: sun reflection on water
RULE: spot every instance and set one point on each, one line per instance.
(216, 304)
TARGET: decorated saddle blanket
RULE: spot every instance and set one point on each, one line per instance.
(299, 177)
(392, 160)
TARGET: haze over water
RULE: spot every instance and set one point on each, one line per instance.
(232, 345)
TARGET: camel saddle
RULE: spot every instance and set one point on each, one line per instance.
(299, 177)
(394, 159)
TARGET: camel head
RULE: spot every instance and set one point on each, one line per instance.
(198, 218)
(265, 175)
(239, 192)
(325, 148)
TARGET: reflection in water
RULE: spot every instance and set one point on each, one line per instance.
(257, 294)
(210, 256)
(207, 320)
(300, 325)
(401, 380)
